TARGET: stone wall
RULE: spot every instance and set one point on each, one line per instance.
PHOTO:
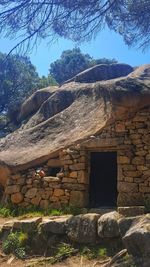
(130, 138)
(68, 187)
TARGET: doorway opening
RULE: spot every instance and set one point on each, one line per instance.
(103, 180)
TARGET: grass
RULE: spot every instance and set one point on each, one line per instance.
(34, 211)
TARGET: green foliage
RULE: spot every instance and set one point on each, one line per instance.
(46, 81)
(75, 20)
(6, 212)
(32, 211)
(63, 251)
(103, 61)
(23, 238)
(18, 79)
(93, 252)
(13, 245)
(72, 62)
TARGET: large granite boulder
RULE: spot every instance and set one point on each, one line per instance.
(108, 225)
(125, 224)
(55, 118)
(83, 228)
(54, 225)
(103, 72)
(34, 102)
(137, 238)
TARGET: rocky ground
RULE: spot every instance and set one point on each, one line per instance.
(108, 240)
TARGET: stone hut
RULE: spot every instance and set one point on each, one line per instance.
(86, 143)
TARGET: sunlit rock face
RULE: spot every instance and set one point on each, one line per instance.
(57, 117)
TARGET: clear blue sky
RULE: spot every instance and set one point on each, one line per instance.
(107, 44)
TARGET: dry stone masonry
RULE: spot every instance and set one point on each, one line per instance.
(130, 138)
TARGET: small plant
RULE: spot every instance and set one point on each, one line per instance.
(93, 252)
(13, 244)
(53, 212)
(5, 212)
(102, 252)
(23, 238)
(62, 252)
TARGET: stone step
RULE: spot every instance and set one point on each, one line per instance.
(131, 211)
(101, 210)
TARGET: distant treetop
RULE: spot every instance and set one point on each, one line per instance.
(72, 62)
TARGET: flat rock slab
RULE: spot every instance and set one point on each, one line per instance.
(131, 211)
(25, 225)
(54, 225)
(9, 225)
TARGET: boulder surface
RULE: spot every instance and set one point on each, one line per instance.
(55, 118)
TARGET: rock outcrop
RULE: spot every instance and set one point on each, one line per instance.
(83, 228)
(137, 238)
(103, 72)
(108, 225)
(59, 117)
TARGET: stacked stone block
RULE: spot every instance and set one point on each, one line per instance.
(68, 187)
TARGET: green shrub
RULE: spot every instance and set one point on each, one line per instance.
(5, 212)
(13, 244)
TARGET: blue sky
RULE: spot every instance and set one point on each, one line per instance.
(107, 44)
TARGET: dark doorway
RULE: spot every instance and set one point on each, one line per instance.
(103, 179)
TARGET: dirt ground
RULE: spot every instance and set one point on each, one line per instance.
(75, 261)
(11, 261)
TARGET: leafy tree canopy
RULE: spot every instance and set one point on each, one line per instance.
(72, 62)
(18, 79)
(46, 81)
(78, 20)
